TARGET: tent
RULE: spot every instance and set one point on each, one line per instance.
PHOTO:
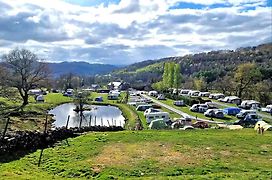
(263, 125)
(232, 111)
(158, 124)
(99, 99)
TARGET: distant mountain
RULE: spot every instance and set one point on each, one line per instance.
(80, 68)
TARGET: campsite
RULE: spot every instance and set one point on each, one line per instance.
(135, 89)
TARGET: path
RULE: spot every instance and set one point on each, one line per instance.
(178, 111)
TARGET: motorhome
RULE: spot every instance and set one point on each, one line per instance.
(157, 115)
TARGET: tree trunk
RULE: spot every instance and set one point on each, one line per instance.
(25, 99)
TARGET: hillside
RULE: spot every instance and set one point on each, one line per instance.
(199, 154)
(209, 65)
(80, 68)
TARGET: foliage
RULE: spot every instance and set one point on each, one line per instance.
(24, 71)
(245, 76)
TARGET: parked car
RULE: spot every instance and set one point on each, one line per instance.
(267, 109)
(204, 94)
(179, 103)
(200, 124)
(153, 93)
(242, 114)
(161, 97)
(199, 108)
(193, 93)
(233, 111)
(250, 120)
(143, 107)
(217, 113)
(184, 92)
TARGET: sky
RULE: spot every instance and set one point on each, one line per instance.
(122, 32)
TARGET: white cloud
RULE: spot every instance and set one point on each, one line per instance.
(132, 30)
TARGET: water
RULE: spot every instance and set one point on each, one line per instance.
(99, 115)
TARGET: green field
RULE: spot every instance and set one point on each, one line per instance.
(198, 154)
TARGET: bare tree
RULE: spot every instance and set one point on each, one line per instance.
(24, 71)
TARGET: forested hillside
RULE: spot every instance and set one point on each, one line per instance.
(215, 70)
(210, 65)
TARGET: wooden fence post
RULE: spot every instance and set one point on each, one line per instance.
(6, 128)
(68, 118)
(45, 129)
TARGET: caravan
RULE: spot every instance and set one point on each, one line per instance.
(157, 115)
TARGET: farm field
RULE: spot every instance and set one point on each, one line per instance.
(198, 154)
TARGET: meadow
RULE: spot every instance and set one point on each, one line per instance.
(149, 154)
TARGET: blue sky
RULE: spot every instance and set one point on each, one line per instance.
(128, 31)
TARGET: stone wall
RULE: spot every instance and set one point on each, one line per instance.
(29, 141)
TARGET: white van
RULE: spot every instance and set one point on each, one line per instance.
(157, 115)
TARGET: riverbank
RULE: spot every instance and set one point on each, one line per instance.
(199, 154)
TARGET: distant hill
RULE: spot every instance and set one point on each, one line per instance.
(80, 68)
(210, 65)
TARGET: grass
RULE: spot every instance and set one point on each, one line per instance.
(30, 121)
(199, 154)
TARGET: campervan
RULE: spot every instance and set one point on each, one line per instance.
(157, 115)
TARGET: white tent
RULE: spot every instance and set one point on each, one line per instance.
(262, 125)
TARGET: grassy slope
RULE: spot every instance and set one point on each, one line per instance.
(240, 154)
(32, 121)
